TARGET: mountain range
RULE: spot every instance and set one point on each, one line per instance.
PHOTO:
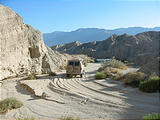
(85, 35)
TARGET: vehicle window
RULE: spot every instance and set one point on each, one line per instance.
(70, 63)
(77, 63)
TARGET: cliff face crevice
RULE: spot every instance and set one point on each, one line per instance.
(22, 48)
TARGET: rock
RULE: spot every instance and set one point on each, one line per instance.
(35, 87)
(22, 48)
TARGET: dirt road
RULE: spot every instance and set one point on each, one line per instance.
(85, 97)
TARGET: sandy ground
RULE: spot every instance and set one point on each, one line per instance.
(85, 97)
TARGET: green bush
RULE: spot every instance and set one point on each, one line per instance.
(9, 104)
(154, 116)
(100, 75)
(85, 64)
(151, 85)
(133, 79)
(31, 77)
(69, 118)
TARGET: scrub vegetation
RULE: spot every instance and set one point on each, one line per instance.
(9, 104)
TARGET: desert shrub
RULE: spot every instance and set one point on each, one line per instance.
(25, 119)
(133, 79)
(100, 75)
(31, 77)
(69, 118)
(119, 76)
(52, 74)
(112, 64)
(9, 104)
(85, 64)
(116, 64)
(154, 116)
(113, 68)
(107, 71)
(151, 85)
(112, 72)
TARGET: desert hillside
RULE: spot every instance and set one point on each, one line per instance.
(123, 47)
(141, 49)
(22, 48)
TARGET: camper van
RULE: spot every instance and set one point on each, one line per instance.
(75, 67)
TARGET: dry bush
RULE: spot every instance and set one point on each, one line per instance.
(69, 118)
(113, 66)
(113, 69)
(116, 64)
(119, 76)
(9, 104)
(112, 72)
(134, 78)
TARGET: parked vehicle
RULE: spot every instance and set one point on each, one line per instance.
(75, 67)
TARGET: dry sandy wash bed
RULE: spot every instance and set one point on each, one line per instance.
(86, 98)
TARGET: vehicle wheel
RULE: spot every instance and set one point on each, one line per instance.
(81, 75)
(68, 75)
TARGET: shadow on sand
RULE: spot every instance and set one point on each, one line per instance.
(138, 103)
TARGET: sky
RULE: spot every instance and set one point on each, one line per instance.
(68, 15)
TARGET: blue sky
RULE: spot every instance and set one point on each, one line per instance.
(67, 15)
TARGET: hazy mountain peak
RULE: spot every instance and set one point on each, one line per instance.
(84, 35)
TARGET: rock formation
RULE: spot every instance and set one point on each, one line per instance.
(22, 48)
(142, 49)
(123, 47)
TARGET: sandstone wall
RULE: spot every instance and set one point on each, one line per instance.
(22, 50)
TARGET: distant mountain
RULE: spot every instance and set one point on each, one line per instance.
(85, 35)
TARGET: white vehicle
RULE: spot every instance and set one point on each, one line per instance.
(75, 67)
